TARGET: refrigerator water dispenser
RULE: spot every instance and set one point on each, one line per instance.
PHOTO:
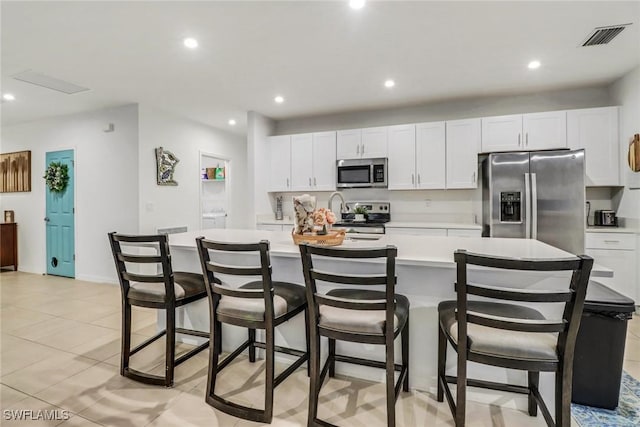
(510, 206)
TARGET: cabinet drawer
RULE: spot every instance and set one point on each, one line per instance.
(610, 241)
(417, 231)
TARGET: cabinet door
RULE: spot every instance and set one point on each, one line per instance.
(324, 161)
(374, 142)
(596, 130)
(431, 156)
(623, 264)
(502, 133)
(463, 232)
(463, 142)
(349, 144)
(402, 157)
(301, 162)
(269, 227)
(545, 131)
(279, 163)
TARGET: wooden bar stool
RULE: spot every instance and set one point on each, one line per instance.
(261, 304)
(164, 291)
(512, 336)
(355, 315)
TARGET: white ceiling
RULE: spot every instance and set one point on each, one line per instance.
(321, 56)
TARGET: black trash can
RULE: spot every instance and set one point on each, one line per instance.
(599, 353)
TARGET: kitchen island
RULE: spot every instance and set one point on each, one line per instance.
(426, 272)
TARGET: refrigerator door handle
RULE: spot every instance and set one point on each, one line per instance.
(534, 206)
(527, 206)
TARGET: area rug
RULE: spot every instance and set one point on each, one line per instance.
(627, 414)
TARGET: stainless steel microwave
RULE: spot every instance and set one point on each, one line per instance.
(362, 173)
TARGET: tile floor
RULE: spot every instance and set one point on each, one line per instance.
(60, 347)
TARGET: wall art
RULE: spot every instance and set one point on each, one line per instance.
(166, 163)
(15, 172)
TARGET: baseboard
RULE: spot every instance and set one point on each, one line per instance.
(97, 279)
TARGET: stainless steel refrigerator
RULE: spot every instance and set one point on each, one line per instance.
(535, 195)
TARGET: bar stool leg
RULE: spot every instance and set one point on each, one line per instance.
(171, 346)
(126, 337)
(390, 371)
(332, 357)
(405, 354)
(308, 340)
(252, 347)
(314, 379)
(442, 362)
(270, 352)
(534, 380)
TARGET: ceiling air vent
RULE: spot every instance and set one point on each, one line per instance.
(42, 80)
(603, 35)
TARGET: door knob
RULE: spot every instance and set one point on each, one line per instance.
(47, 219)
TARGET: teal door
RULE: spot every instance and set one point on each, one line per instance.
(60, 221)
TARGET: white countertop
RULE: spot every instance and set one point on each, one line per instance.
(463, 226)
(432, 251)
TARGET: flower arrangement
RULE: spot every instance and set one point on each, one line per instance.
(323, 217)
(57, 177)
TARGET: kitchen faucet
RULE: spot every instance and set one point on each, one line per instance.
(339, 194)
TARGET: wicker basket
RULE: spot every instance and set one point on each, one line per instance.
(332, 238)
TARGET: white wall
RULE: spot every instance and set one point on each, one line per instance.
(106, 189)
(259, 128)
(451, 110)
(626, 93)
(169, 206)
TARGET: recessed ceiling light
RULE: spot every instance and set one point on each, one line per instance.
(279, 99)
(356, 4)
(191, 43)
(389, 83)
(232, 122)
(8, 97)
(533, 65)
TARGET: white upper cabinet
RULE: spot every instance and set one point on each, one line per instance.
(279, 163)
(545, 131)
(301, 162)
(374, 142)
(402, 157)
(313, 162)
(417, 156)
(349, 144)
(463, 144)
(596, 130)
(431, 155)
(526, 132)
(502, 133)
(324, 161)
(362, 143)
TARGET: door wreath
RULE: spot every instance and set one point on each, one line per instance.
(57, 177)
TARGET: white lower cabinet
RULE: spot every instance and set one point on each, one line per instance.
(616, 251)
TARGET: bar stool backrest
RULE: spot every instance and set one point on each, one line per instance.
(388, 280)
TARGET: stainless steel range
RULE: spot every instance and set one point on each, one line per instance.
(378, 213)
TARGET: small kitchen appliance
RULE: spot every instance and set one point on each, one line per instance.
(362, 173)
(605, 218)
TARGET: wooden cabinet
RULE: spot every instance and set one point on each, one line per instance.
(596, 130)
(313, 162)
(362, 143)
(9, 245)
(417, 156)
(463, 143)
(279, 163)
(526, 132)
(616, 251)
